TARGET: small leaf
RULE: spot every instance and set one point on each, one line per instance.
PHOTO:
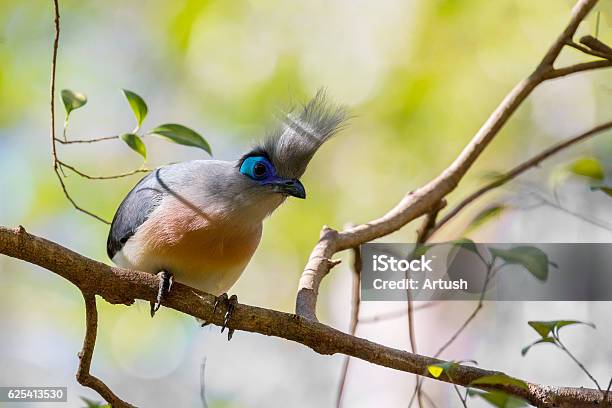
(531, 258)
(94, 404)
(135, 143)
(604, 189)
(493, 176)
(181, 135)
(562, 323)
(436, 370)
(525, 349)
(588, 167)
(544, 328)
(500, 379)
(138, 105)
(420, 249)
(467, 244)
(498, 399)
(72, 100)
(487, 214)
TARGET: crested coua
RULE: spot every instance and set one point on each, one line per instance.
(200, 221)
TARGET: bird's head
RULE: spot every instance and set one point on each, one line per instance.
(274, 167)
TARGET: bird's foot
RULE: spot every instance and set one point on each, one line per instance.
(230, 303)
(165, 284)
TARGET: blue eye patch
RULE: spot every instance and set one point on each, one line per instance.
(257, 168)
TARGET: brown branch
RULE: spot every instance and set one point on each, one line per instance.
(72, 201)
(597, 45)
(588, 50)
(118, 285)
(99, 139)
(57, 168)
(520, 169)
(576, 68)
(355, 306)
(423, 233)
(424, 199)
(89, 343)
(116, 176)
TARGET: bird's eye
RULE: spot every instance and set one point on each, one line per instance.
(257, 167)
(259, 170)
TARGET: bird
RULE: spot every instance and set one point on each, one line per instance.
(200, 221)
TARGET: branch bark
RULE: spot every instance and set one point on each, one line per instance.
(85, 356)
(424, 200)
(118, 285)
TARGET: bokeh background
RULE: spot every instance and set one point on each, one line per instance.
(419, 76)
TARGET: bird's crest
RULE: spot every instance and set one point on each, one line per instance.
(294, 142)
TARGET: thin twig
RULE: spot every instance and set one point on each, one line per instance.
(578, 363)
(597, 45)
(116, 176)
(396, 313)
(576, 68)
(429, 223)
(57, 168)
(588, 50)
(89, 343)
(355, 305)
(490, 273)
(463, 400)
(100, 139)
(518, 170)
(74, 204)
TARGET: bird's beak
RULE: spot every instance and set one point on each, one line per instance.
(292, 187)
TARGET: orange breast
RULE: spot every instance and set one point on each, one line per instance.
(201, 250)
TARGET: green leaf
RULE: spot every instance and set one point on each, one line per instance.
(493, 176)
(487, 214)
(436, 370)
(499, 399)
(181, 135)
(500, 379)
(544, 328)
(525, 349)
(138, 105)
(531, 258)
(604, 189)
(94, 404)
(72, 100)
(420, 249)
(135, 143)
(588, 167)
(467, 244)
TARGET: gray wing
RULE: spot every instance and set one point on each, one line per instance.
(133, 211)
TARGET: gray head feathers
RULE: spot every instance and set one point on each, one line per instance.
(294, 142)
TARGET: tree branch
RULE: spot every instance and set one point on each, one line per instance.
(118, 285)
(89, 343)
(424, 199)
(355, 306)
(518, 170)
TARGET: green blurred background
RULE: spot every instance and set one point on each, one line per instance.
(420, 77)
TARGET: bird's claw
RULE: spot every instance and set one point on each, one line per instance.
(231, 303)
(165, 284)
